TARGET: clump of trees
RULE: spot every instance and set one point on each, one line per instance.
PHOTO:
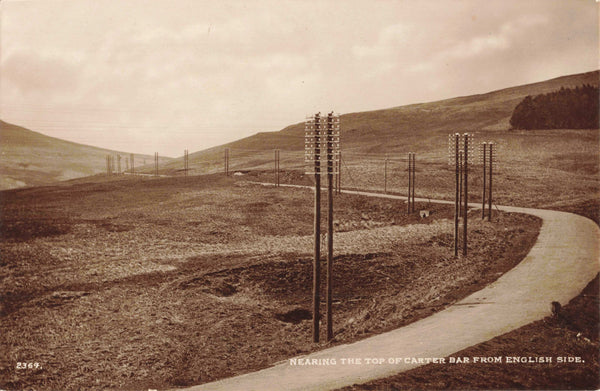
(567, 108)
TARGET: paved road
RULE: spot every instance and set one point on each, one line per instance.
(562, 262)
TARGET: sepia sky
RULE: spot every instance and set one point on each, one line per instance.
(152, 75)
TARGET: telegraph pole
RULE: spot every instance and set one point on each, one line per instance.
(339, 172)
(385, 164)
(321, 133)
(484, 147)
(312, 144)
(490, 187)
(155, 163)
(409, 183)
(458, 190)
(466, 154)
(277, 167)
(330, 161)
(333, 156)
(460, 179)
(131, 158)
(185, 161)
(412, 204)
(454, 157)
(226, 156)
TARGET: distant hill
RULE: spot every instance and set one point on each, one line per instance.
(392, 130)
(29, 158)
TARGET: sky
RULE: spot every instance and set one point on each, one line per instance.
(151, 76)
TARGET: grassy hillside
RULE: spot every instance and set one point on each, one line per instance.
(421, 127)
(530, 161)
(543, 168)
(29, 158)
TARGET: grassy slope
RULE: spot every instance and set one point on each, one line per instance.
(137, 283)
(30, 158)
(415, 127)
(541, 168)
(531, 162)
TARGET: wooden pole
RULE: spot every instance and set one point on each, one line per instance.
(460, 184)
(466, 197)
(490, 187)
(412, 204)
(484, 180)
(185, 162)
(329, 227)
(317, 229)
(457, 193)
(409, 184)
(155, 163)
(131, 158)
(277, 167)
(385, 175)
(339, 175)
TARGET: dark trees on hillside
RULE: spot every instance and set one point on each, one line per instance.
(563, 109)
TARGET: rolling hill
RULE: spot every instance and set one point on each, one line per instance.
(30, 158)
(557, 168)
(388, 131)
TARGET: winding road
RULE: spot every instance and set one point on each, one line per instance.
(561, 263)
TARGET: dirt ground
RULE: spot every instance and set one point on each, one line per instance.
(157, 283)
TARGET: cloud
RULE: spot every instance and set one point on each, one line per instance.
(34, 74)
(478, 47)
(166, 37)
(234, 68)
(389, 39)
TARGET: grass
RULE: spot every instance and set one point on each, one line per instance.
(159, 283)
